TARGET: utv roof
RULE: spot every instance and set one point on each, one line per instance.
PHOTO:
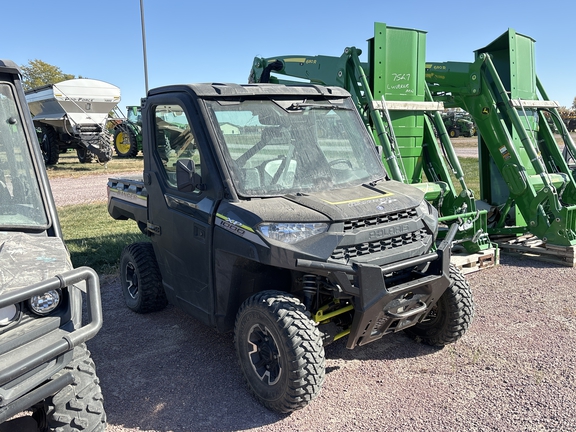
(8, 66)
(227, 89)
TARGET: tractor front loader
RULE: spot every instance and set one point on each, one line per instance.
(524, 176)
(392, 97)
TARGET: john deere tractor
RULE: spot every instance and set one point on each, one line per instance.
(128, 134)
(458, 124)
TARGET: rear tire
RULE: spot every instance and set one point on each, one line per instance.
(49, 145)
(280, 351)
(450, 317)
(141, 280)
(78, 406)
(125, 143)
(454, 133)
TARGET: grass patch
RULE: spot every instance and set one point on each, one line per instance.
(94, 239)
(471, 169)
(69, 166)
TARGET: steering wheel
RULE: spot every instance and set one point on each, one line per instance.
(340, 161)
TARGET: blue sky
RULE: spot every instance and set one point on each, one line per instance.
(215, 41)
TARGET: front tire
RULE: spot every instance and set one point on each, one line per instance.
(450, 317)
(141, 280)
(78, 406)
(280, 351)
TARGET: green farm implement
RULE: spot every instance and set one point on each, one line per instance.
(392, 97)
(524, 176)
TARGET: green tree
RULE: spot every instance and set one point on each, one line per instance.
(38, 73)
(574, 103)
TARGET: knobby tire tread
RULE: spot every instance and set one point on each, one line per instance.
(150, 280)
(80, 405)
(304, 344)
(459, 314)
(52, 154)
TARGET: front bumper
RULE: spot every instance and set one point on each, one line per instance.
(31, 353)
(380, 309)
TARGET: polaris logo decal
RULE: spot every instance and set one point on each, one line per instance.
(388, 232)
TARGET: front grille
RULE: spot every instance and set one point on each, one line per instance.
(348, 252)
(353, 224)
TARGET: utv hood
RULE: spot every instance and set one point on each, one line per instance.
(358, 202)
(26, 260)
(361, 201)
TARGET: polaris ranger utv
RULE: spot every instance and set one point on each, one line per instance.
(45, 367)
(269, 213)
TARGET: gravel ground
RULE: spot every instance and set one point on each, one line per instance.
(84, 190)
(513, 371)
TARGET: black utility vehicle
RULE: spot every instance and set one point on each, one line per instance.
(270, 213)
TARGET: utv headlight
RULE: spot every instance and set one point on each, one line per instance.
(7, 315)
(291, 233)
(45, 303)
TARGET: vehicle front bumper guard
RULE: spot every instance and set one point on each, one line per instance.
(379, 309)
(57, 348)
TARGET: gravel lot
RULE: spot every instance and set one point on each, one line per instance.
(84, 190)
(513, 371)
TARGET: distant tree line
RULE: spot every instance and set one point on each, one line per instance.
(37, 73)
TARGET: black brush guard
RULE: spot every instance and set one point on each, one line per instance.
(381, 309)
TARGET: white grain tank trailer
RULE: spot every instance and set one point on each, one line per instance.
(73, 114)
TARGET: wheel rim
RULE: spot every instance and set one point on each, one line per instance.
(264, 355)
(122, 143)
(131, 279)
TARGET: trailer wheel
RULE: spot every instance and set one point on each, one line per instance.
(105, 145)
(85, 155)
(49, 145)
(141, 279)
(450, 317)
(280, 351)
(125, 142)
(78, 406)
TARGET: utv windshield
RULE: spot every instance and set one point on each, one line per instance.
(276, 147)
(20, 200)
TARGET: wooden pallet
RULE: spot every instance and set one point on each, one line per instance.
(472, 262)
(532, 247)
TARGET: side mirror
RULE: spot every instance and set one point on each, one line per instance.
(187, 180)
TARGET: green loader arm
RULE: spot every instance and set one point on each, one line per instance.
(543, 191)
(348, 72)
